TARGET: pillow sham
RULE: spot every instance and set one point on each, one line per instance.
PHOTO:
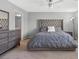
(43, 29)
(51, 29)
(58, 29)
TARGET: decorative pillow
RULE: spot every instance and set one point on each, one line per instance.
(43, 29)
(58, 29)
(51, 29)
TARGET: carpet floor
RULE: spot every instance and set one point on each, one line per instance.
(19, 53)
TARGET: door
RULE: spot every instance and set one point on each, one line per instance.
(18, 19)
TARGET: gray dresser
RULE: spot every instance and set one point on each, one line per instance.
(8, 39)
(3, 41)
(12, 41)
(4, 31)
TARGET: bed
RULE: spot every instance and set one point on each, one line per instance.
(58, 40)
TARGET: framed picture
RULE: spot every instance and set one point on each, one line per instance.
(4, 20)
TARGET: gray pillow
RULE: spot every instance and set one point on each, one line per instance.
(43, 29)
(58, 29)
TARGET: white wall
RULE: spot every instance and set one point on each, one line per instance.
(34, 16)
(12, 9)
(4, 5)
(29, 20)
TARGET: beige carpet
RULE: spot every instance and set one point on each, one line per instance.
(19, 53)
(22, 53)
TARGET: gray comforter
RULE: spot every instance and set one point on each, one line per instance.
(52, 40)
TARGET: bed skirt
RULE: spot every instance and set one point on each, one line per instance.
(51, 49)
(48, 49)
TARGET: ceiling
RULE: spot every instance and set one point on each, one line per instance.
(42, 5)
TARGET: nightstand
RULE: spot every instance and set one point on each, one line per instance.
(28, 37)
(23, 44)
(69, 33)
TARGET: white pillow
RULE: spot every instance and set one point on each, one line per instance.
(51, 29)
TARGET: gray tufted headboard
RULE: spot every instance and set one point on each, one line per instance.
(51, 22)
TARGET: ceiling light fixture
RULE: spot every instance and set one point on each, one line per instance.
(52, 2)
(19, 15)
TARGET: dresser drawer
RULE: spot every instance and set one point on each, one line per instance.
(3, 35)
(12, 38)
(12, 44)
(12, 33)
(3, 47)
(3, 40)
(4, 31)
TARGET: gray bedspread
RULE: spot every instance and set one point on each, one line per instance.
(58, 39)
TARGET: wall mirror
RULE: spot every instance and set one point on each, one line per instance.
(4, 20)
